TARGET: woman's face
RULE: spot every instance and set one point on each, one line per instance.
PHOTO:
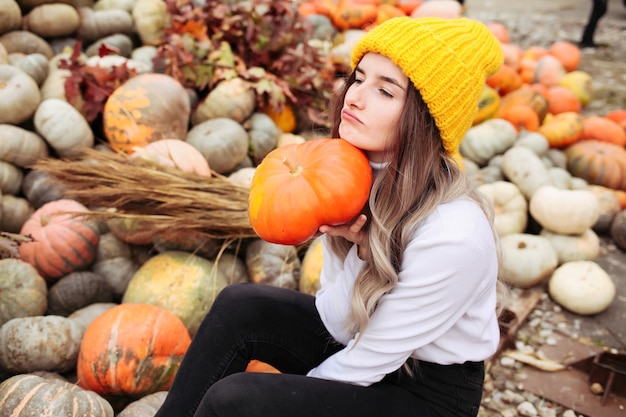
(373, 105)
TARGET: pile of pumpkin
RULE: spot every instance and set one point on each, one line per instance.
(88, 301)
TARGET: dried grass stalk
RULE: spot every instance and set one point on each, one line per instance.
(113, 185)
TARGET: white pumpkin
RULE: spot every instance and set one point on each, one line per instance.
(63, 127)
(569, 212)
(488, 139)
(583, 247)
(524, 168)
(582, 287)
(510, 206)
(526, 259)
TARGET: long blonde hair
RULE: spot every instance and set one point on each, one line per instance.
(419, 177)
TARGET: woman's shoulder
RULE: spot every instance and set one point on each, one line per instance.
(462, 216)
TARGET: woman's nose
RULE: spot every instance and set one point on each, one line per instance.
(354, 98)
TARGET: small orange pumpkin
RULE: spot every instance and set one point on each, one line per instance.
(63, 242)
(549, 71)
(354, 16)
(603, 129)
(521, 117)
(562, 129)
(500, 31)
(525, 96)
(562, 99)
(618, 116)
(259, 366)
(600, 163)
(298, 188)
(131, 350)
(505, 80)
(567, 53)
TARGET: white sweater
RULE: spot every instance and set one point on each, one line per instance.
(443, 309)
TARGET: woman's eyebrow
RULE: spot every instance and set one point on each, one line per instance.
(391, 81)
(384, 78)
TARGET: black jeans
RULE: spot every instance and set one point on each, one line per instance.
(282, 327)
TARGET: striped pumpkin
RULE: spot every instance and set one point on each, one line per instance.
(131, 350)
(31, 395)
(63, 242)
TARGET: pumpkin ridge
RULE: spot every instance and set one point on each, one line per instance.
(44, 264)
(64, 251)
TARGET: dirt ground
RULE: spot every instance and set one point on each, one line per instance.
(541, 22)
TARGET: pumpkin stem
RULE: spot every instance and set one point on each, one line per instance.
(293, 170)
(44, 220)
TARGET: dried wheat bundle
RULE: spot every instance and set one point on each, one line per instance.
(167, 199)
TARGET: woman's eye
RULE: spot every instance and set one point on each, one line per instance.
(358, 81)
(385, 93)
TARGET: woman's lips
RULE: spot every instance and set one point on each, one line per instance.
(348, 116)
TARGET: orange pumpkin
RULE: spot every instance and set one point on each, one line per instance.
(567, 53)
(618, 116)
(549, 71)
(409, 6)
(354, 16)
(505, 80)
(283, 116)
(63, 242)
(387, 11)
(525, 96)
(500, 31)
(513, 55)
(258, 366)
(600, 163)
(131, 350)
(603, 129)
(562, 99)
(144, 109)
(535, 52)
(562, 129)
(521, 117)
(298, 188)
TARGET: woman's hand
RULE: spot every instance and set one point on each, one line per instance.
(352, 232)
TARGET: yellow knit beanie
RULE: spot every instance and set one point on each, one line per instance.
(448, 61)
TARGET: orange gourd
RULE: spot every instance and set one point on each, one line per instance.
(283, 116)
(259, 366)
(131, 350)
(144, 109)
(513, 55)
(535, 52)
(525, 96)
(387, 11)
(505, 80)
(618, 116)
(562, 129)
(549, 71)
(521, 117)
(500, 31)
(562, 99)
(603, 129)
(567, 53)
(354, 16)
(63, 242)
(409, 6)
(298, 188)
(600, 163)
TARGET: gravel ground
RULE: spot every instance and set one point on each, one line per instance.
(540, 23)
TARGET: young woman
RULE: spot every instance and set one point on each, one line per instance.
(406, 313)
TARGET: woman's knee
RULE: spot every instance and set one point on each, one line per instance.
(228, 396)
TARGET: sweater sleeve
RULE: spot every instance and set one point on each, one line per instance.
(445, 271)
